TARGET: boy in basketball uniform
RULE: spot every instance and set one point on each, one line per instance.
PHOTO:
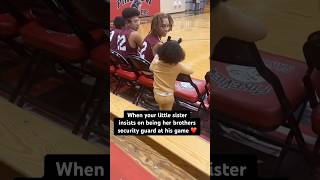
(119, 24)
(128, 39)
(161, 24)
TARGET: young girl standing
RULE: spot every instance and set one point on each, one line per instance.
(166, 66)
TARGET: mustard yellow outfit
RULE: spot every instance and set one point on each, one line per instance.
(165, 76)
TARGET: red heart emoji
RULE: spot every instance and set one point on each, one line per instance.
(193, 130)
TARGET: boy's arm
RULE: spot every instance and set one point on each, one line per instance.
(137, 39)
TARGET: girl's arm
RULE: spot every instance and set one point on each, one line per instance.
(154, 61)
(185, 68)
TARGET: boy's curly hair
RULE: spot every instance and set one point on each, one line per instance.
(129, 13)
(157, 21)
(119, 22)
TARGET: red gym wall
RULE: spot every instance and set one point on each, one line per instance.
(148, 8)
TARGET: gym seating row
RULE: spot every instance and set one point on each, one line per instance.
(250, 97)
(61, 39)
(134, 71)
(256, 92)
